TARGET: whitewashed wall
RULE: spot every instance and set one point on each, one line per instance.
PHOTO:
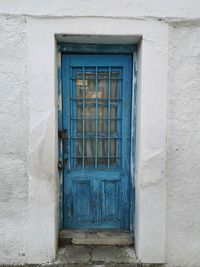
(183, 146)
(183, 125)
(14, 131)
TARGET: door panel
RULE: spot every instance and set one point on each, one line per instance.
(82, 199)
(97, 113)
(110, 200)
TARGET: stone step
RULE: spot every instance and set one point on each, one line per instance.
(98, 256)
(93, 256)
(88, 237)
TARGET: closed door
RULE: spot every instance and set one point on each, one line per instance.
(96, 151)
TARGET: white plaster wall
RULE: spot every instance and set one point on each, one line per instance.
(14, 132)
(151, 145)
(21, 211)
(183, 146)
(127, 8)
(42, 154)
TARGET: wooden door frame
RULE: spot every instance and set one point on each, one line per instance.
(117, 49)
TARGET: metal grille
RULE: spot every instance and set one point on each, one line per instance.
(95, 117)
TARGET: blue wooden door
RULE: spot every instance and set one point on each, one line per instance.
(96, 114)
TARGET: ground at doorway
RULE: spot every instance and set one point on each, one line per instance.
(93, 256)
(97, 256)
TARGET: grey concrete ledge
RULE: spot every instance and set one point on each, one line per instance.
(92, 264)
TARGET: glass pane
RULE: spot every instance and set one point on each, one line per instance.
(90, 127)
(79, 147)
(97, 113)
(113, 127)
(89, 151)
(90, 86)
(113, 112)
(103, 127)
(79, 112)
(102, 148)
(102, 112)
(90, 112)
(113, 147)
(114, 88)
(79, 88)
(89, 147)
(102, 88)
(79, 126)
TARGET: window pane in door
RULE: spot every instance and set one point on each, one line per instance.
(97, 121)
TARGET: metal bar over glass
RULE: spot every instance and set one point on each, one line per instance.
(96, 117)
(83, 116)
(109, 74)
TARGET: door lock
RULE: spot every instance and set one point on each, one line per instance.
(60, 164)
(62, 134)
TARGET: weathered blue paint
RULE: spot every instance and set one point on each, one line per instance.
(99, 197)
(60, 126)
(76, 48)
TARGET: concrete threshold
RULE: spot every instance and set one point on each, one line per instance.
(96, 256)
(91, 237)
(86, 250)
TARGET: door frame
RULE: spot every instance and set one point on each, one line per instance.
(117, 49)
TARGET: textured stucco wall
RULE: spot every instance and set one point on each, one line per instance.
(127, 8)
(183, 126)
(183, 146)
(14, 131)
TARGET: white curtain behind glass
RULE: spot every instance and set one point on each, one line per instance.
(98, 110)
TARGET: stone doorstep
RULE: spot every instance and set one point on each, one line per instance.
(93, 256)
(117, 250)
(87, 237)
(99, 255)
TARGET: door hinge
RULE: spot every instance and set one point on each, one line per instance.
(63, 137)
(62, 134)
